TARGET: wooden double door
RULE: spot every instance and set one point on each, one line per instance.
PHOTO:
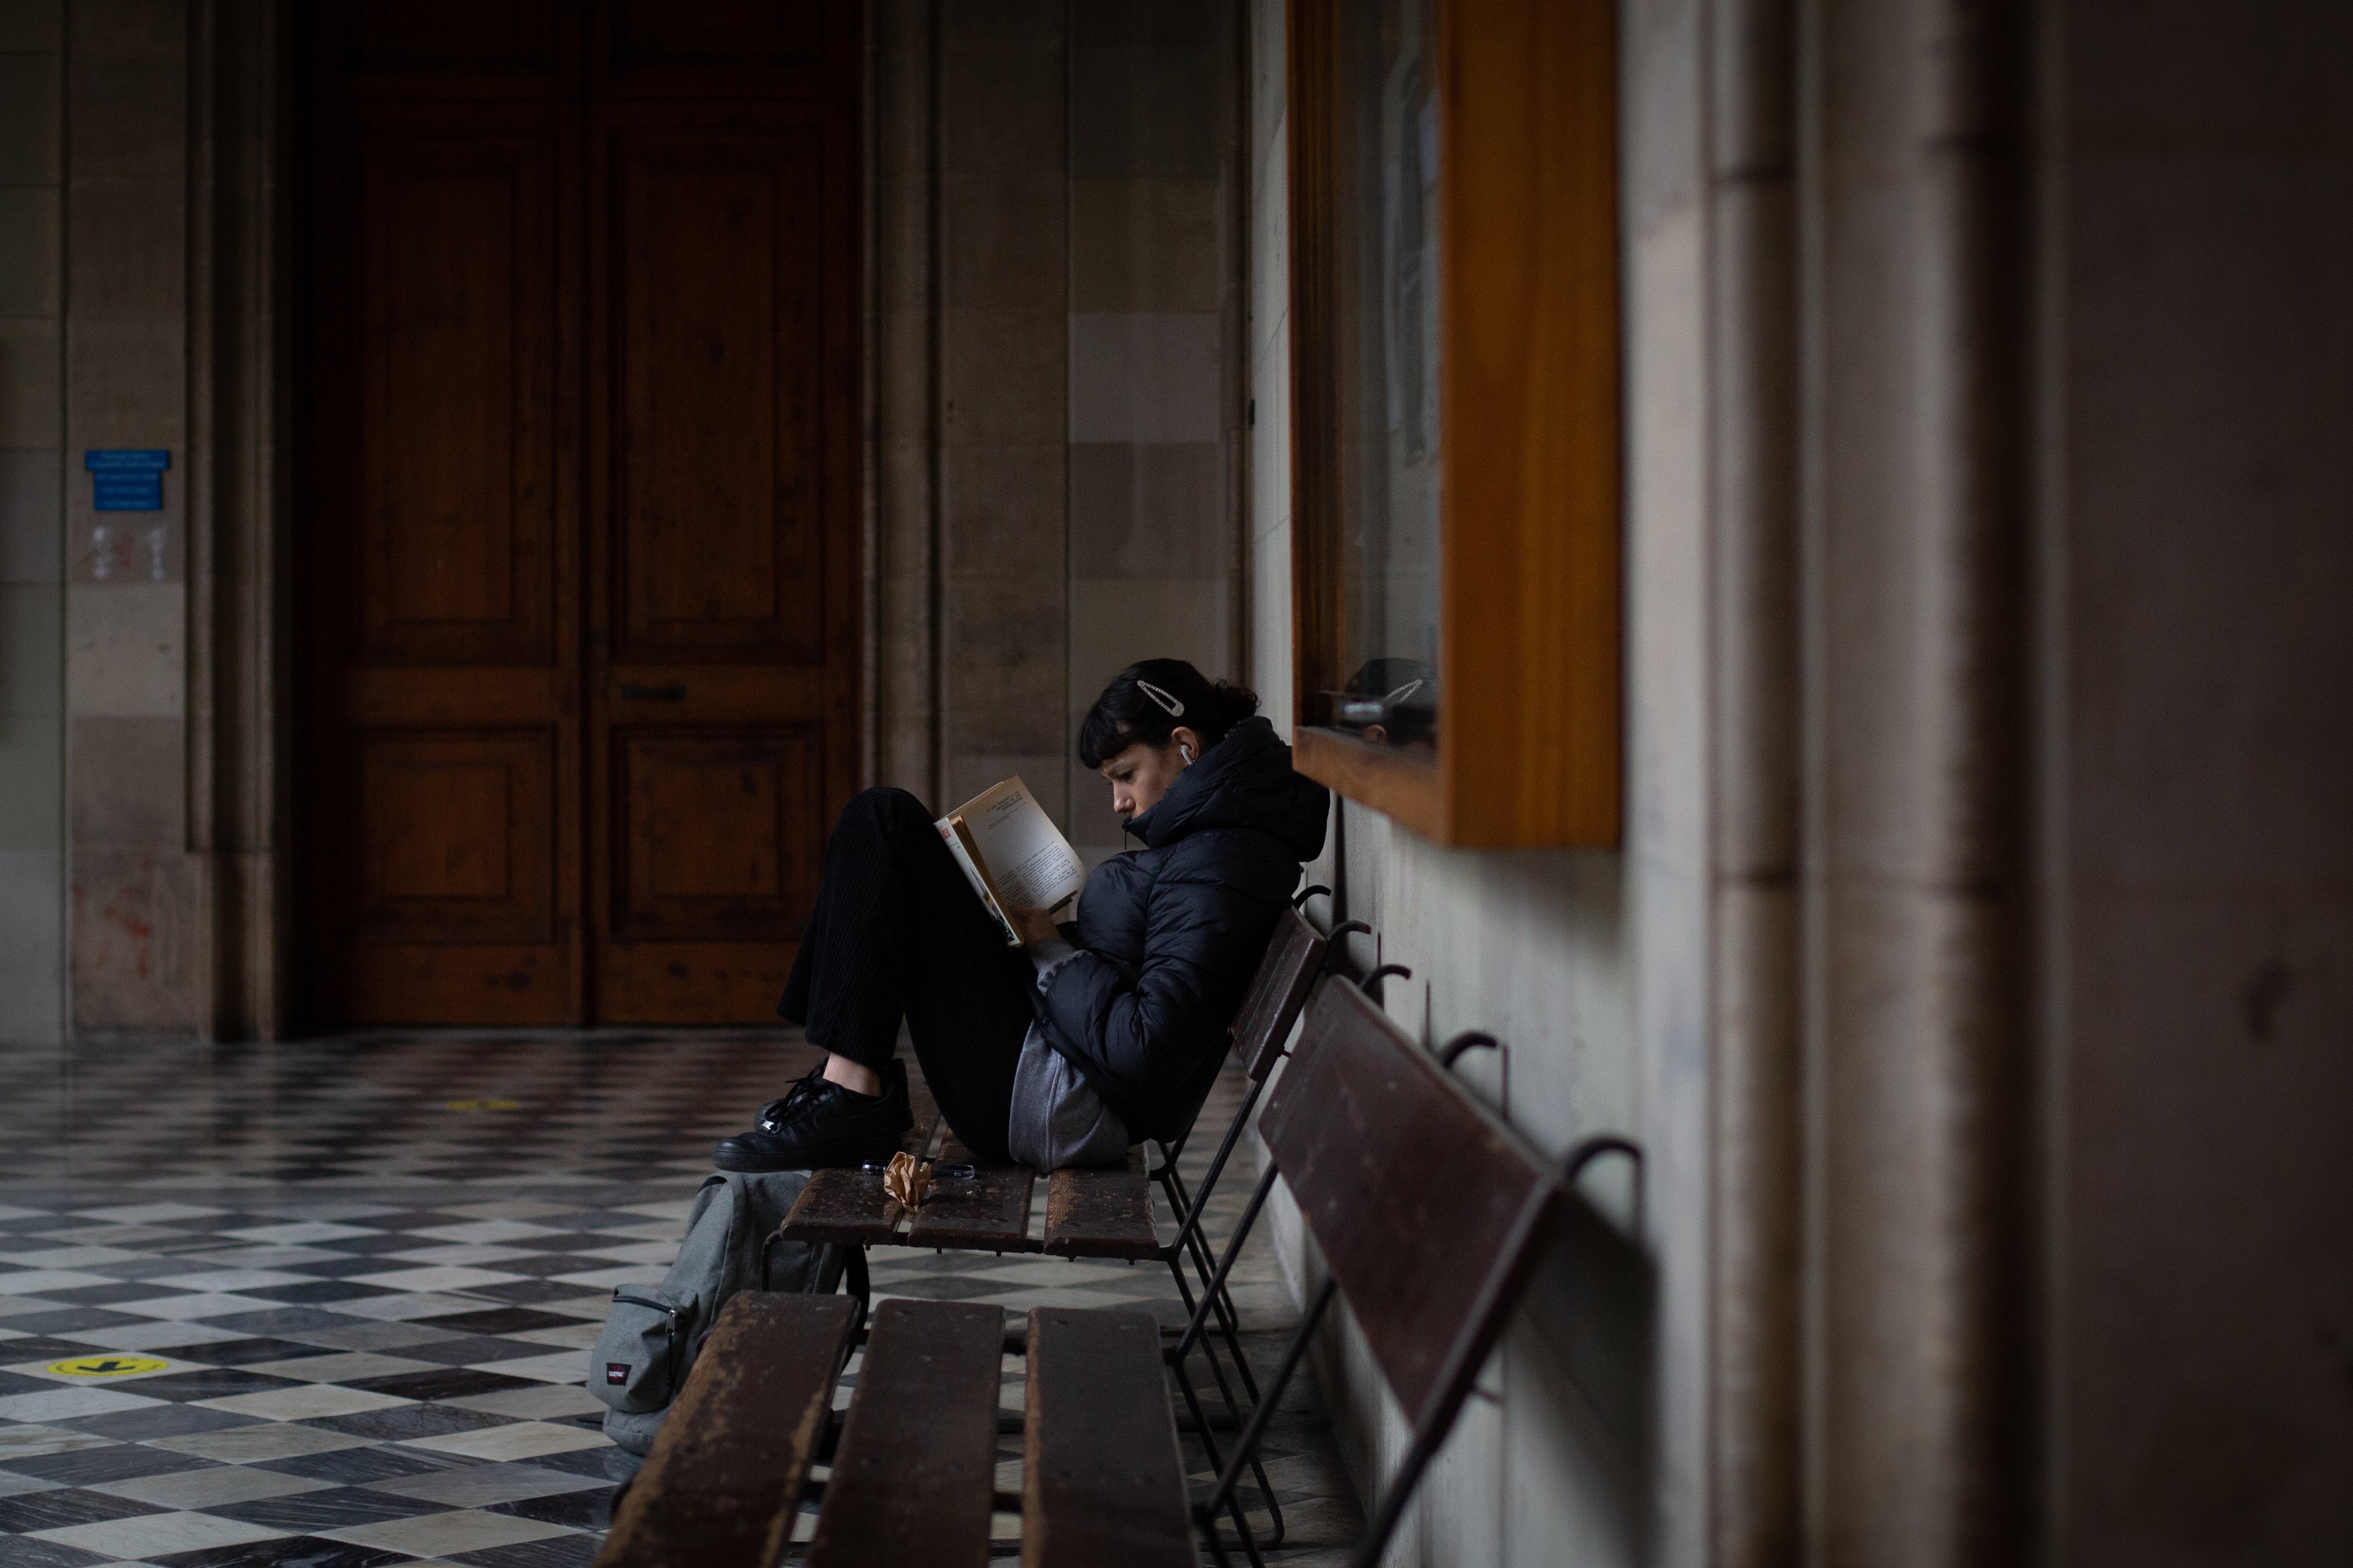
(581, 538)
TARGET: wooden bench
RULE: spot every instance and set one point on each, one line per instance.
(1103, 1213)
(1429, 1212)
(912, 1478)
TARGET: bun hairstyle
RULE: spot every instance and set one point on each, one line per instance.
(1148, 702)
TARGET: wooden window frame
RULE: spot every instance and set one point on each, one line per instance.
(1530, 720)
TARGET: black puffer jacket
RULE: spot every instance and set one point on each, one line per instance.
(1170, 934)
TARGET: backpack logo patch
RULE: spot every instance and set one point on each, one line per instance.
(617, 1371)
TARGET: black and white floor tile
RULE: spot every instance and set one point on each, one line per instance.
(327, 1304)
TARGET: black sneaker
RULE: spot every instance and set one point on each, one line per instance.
(821, 1124)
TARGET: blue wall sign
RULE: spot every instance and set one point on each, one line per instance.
(127, 480)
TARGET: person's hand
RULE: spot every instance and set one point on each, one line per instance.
(1033, 926)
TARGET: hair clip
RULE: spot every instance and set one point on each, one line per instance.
(1174, 708)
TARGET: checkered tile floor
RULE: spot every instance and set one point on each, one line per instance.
(326, 1304)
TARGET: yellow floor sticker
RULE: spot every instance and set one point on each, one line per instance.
(106, 1365)
(486, 1105)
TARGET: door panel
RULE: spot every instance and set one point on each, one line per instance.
(453, 836)
(722, 833)
(451, 49)
(458, 331)
(582, 546)
(721, 675)
(800, 49)
(444, 869)
(717, 289)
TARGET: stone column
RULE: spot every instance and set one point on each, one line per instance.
(1003, 302)
(1756, 1213)
(903, 386)
(140, 929)
(239, 590)
(32, 468)
(1917, 423)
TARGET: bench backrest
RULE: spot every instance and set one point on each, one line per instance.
(1428, 1209)
(1295, 957)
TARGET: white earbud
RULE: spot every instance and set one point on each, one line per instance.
(1185, 753)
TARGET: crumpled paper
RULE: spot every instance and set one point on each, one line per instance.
(906, 1179)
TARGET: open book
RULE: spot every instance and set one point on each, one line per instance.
(1012, 854)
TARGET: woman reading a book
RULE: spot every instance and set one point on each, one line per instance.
(1086, 1037)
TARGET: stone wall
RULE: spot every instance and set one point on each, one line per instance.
(1974, 969)
(1533, 947)
(141, 229)
(1056, 381)
(2194, 786)
(32, 542)
(1051, 400)
(1156, 398)
(138, 940)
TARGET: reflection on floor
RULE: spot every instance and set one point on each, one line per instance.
(327, 1304)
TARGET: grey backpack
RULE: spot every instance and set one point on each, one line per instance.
(654, 1331)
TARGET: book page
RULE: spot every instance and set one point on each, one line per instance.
(1032, 864)
(954, 841)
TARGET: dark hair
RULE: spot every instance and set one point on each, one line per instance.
(1129, 711)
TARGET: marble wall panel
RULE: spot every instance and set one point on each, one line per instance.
(31, 259)
(1139, 109)
(1002, 373)
(126, 651)
(138, 938)
(32, 538)
(31, 766)
(1150, 511)
(32, 944)
(1148, 245)
(31, 660)
(1147, 376)
(1005, 653)
(143, 802)
(31, 357)
(1004, 504)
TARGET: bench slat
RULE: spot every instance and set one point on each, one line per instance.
(849, 1205)
(915, 1473)
(724, 1480)
(988, 1212)
(1105, 1212)
(843, 1206)
(1294, 958)
(1103, 1482)
(1428, 1210)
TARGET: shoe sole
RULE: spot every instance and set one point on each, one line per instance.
(835, 1159)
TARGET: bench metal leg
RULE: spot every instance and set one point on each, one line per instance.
(859, 1282)
(1196, 1333)
(1182, 1205)
(1229, 1321)
(1427, 1437)
(1188, 1209)
(1205, 1515)
(1246, 1447)
(1225, 1393)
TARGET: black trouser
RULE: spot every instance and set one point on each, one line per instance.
(899, 933)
